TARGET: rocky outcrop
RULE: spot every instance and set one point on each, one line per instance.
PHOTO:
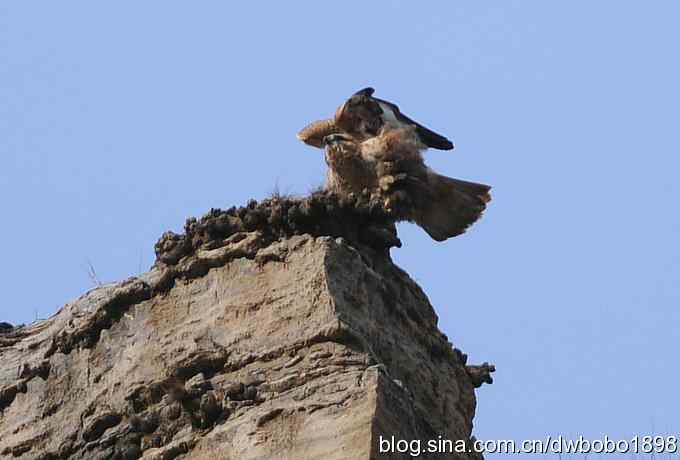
(281, 330)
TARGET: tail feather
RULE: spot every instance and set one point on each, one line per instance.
(453, 206)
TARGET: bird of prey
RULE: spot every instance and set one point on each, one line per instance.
(370, 146)
(363, 116)
(390, 166)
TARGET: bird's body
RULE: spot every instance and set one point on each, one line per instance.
(390, 166)
(355, 166)
(349, 170)
(370, 146)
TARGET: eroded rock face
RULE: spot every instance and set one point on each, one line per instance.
(244, 344)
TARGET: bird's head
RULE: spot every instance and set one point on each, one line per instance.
(360, 115)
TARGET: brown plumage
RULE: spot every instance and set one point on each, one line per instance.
(363, 116)
(370, 145)
(313, 133)
(390, 166)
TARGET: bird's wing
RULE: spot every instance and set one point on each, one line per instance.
(392, 114)
(313, 133)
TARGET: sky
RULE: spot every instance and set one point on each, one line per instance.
(120, 120)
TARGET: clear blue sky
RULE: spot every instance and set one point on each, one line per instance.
(119, 120)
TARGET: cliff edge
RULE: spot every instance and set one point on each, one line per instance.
(280, 330)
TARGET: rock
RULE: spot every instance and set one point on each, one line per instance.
(96, 427)
(210, 409)
(319, 355)
(481, 374)
(144, 424)
(172, 411)
(130, 452)
(279, 330)
(293, 361)
(197, 385)
(233, 390)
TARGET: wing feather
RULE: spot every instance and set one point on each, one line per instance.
(313, 133)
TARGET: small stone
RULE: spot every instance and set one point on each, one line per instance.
(250, 393)
(233, 389)
(197, 385)
(210, 409)
(320, 355)
(171, 411)
(293, 361)
(99, 424)
(268, 416)
(130, 452)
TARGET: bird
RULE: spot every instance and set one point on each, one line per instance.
(370, 146)
(390, 166)
(364, 116)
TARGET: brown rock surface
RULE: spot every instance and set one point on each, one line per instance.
(250, 340)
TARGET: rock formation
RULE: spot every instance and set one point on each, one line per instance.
(281, 330)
